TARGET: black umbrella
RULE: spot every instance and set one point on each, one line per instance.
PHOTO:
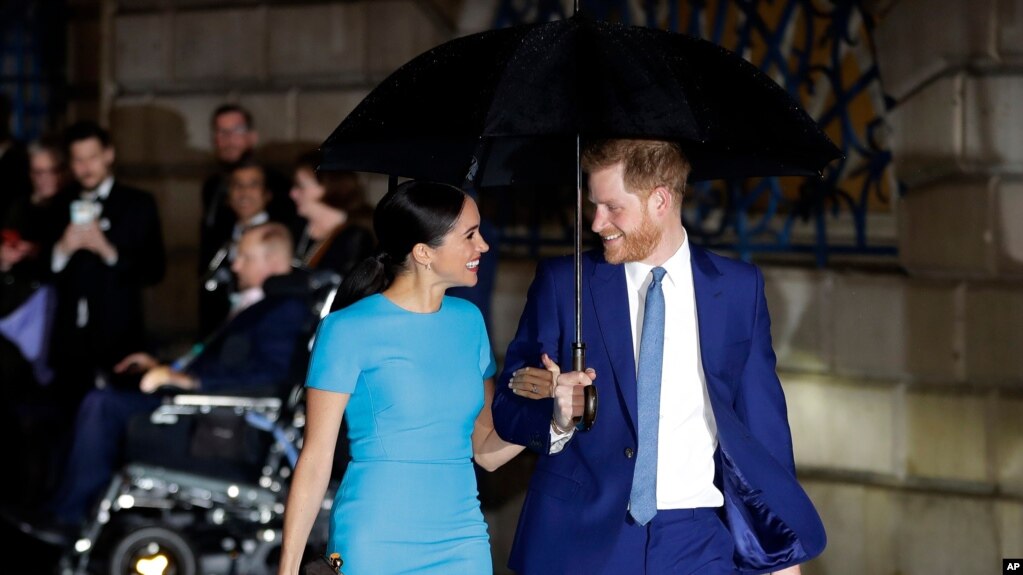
(510, 107)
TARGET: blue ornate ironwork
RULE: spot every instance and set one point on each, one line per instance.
(807, 46)
(31, 63)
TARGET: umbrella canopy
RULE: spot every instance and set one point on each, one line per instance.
(505, 106)
(510, 107)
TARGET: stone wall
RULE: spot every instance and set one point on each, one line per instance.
(906, 388)
(299, 67)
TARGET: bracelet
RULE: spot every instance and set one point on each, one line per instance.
(558, 429)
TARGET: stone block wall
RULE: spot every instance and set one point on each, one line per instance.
(300, 67)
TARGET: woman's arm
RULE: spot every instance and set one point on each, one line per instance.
(489, 450)
(324, 410)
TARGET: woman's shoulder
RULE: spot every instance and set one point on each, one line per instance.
(462, 308)
(356, 313)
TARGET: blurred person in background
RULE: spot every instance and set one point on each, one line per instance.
(234, 138)
(28, 228)
(111, 248)
(252, 354)
(338, 233)
(248, 200)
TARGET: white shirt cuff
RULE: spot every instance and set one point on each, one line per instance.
(59, 261)
(559, 440)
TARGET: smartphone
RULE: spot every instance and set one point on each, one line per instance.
(84, 211)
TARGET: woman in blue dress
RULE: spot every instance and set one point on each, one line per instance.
(410, 369)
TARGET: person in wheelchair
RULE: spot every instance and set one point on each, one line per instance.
(251, 354)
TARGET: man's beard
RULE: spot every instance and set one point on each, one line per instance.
(636, 245)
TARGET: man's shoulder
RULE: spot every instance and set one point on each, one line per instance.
(127, 193)
(725, 265)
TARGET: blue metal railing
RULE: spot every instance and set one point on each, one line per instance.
(808, 48)
(32, 63)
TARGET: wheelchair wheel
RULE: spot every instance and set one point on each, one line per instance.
(153, 550)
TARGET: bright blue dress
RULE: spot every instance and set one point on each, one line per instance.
(408, 502)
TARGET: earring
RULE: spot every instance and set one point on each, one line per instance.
(429, 267)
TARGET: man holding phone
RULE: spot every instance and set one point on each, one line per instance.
(110, 250)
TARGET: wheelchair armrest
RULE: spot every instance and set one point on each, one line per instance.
(256, 403)
(189, 405)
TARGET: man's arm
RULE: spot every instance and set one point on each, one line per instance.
(519, 419)
(140, 253)
(274, 344)
(760, 402)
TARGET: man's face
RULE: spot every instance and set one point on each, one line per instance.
(622, 219)
(91, 162)
(247, 193)
(253, 262)
(232, 137)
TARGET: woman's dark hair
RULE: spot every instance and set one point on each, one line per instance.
(413, 213)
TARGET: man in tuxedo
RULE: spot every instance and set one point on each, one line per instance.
(688, 467)
(251, 354)
(234, 138)
(111, 249)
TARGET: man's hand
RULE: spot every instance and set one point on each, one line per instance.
(162, 375)
(94, 240)
(72, 240)
(136, 362)
(565, 388)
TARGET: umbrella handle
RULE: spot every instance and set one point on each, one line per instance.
(589, 416)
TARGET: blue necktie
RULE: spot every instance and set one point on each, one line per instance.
(643, 498)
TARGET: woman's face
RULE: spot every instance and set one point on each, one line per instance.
(45, 175)
(305, 189)
(457, 259)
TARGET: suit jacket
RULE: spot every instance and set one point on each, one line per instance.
(255, 350)
(577, 499)
(114, 293)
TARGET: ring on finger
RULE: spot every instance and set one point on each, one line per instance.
(534, 388)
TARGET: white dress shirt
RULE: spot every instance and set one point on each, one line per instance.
(687, 436)
(687, 433)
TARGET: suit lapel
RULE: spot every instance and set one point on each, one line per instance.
(611, 306)
(710, 310)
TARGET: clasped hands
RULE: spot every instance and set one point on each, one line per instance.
(87, 237)
(565, 388)
(156, 375)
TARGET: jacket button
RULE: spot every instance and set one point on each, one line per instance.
(629, 452)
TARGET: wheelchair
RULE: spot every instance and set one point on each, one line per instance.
(207, 479)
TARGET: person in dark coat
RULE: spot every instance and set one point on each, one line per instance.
(234, 137)
(338, 233)
(111, 248)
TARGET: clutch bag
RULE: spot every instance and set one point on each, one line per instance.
(329, 565)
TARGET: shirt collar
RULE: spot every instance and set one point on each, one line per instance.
(675, 267)
(245, 299)
(102, 191)
(260, 218)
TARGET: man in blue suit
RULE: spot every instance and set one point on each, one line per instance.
(689, 466)
(251, 354)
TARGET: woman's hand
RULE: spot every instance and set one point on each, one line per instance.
(565, 388)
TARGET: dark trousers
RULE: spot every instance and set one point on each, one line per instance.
(676, 541)
(96, 448)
